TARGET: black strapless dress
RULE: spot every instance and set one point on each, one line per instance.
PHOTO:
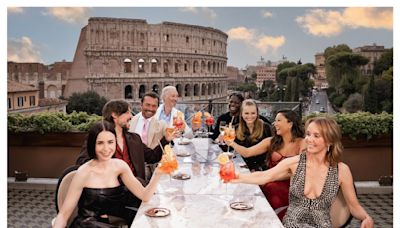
(95, 202)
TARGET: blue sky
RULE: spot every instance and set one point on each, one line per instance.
(51, 34)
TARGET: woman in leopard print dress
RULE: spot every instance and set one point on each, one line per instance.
(315, 177)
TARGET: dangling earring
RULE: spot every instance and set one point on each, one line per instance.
(329, 148)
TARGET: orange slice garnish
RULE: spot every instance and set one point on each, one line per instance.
(223, 158)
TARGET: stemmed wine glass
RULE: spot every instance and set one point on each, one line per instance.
(226, 169)
(209, 120)
(229, 134)
(179, 125)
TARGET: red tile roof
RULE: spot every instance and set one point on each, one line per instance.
(13, 86)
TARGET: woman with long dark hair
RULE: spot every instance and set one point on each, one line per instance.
(286, 141)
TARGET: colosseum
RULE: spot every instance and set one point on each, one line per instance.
(125, 58)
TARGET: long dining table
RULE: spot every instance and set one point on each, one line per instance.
(203, 200)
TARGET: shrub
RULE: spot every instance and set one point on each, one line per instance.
(47, 122)
(362, 125)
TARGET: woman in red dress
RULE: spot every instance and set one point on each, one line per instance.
(286, 141)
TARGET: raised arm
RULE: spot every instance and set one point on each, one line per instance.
(346, 183)
(282, 171)
(130, 181)
(257, 149)
(71, 200)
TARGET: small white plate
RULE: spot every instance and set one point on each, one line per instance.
(157, 212)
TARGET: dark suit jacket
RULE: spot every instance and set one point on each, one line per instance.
(139, 153)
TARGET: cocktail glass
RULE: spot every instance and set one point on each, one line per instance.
(227, 172)
(209, 122)
(229, 134)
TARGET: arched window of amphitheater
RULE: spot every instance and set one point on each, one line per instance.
(128, 92)
(165, 66)
(155, 88)
(187, 90)
(195, 66)
(186, 66)
(154, 66)
(208, 67)
(203, 89)
(141, 66)
(127, 65)
(179, 89)
(213, 68)
(214, 88)
(142, 90)
(203, 67)
(177, 66)
(196, 90)
(219, 88)
(209, 89)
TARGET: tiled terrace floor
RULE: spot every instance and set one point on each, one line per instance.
(35, 208)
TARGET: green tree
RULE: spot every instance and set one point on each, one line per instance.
(336, 49)
(370, 97)
(343, 65)
(89, 102)
(384, 62)
(354, 103)
(384, 90)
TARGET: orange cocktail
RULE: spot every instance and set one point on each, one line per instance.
(227, 171)
(229, 133)
(226, 167)
(168, 161)
(178, 123)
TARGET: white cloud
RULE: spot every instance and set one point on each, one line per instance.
(15, 10)
(319, 22)
(204, 12)
(22, 50)
(266, 14)
(72, 15)
(369, 18)
(241, 33)
(256, 39)
(266, 43)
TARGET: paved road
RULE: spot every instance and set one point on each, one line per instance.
(319, 101)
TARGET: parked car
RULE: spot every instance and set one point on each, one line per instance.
(317, 101)
(322, 109)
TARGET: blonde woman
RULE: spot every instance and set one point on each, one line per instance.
(252, 130)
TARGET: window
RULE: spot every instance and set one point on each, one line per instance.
(154, 65)
(202, 41)
(141, 65)
(166, 37)
(127, 65)
(187, 39)
(9, 103)
(32, 101)
(20, 101)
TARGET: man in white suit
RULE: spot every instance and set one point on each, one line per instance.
(167, 110)
(149, 128)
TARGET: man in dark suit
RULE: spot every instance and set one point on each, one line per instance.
(130, 147)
